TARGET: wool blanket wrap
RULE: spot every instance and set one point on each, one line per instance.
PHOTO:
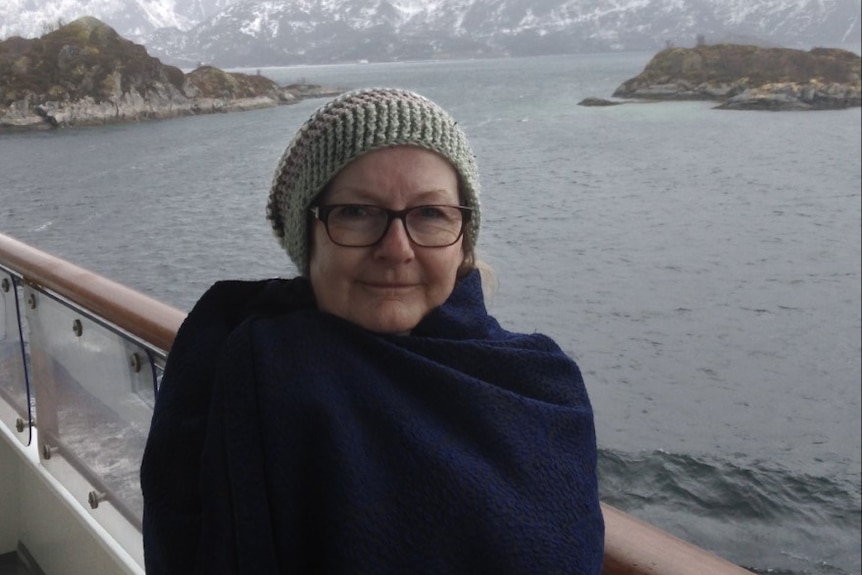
(287, 440)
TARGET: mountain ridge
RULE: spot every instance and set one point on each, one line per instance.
(228, 33)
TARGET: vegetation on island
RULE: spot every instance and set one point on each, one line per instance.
(750, 77)
(85, 73)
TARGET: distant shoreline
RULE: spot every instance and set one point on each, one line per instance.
(42, 120)
(743, 77)
(84, 74)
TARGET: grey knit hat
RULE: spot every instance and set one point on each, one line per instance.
(347, 127)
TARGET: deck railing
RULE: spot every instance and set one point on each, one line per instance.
(80, 359)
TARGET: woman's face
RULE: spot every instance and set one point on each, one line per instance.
(388, 287)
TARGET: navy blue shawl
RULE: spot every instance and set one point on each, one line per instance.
(286, 440)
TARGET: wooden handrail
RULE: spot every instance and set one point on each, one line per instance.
(632, 546)
(132, 311)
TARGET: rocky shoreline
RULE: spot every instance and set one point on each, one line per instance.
(133, 107)
(85, 74)
(747, 78)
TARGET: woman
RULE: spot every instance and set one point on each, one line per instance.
(369, 416)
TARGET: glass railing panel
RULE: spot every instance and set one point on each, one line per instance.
(95, 390)
(15, 404)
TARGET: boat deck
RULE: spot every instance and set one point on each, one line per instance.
(63, 499)
(18, 563)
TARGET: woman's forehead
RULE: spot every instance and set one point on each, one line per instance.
(407, 173)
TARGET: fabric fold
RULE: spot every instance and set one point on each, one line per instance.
(462, 448)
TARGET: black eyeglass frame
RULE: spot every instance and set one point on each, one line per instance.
(321, 212)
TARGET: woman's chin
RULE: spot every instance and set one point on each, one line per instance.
(390, 319)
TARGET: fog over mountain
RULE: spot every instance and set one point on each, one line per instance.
(284, 32)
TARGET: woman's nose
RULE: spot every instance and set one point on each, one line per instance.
(395, 243)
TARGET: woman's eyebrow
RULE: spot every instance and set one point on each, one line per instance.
(363, 196)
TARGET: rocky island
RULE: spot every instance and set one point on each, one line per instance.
(84, 73)
(743, 77)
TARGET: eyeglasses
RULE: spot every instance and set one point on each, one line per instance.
(361, 225)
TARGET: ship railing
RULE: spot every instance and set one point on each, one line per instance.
(81, 357)
(80, 362)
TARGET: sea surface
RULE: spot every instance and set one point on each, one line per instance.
(702, 266)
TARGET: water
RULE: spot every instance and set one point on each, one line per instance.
(702, 266)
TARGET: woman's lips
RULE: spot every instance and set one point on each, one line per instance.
(389, 286)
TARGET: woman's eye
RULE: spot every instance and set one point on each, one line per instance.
(430, 212)
(351, 212)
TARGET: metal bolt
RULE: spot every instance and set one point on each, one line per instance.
(31, 301)
(4, 285)
(47, 451)
(135, 362)
(77, 327)
(21, 424)
(95, 497)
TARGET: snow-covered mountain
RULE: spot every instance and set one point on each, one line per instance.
(131, 18)
(282, 32)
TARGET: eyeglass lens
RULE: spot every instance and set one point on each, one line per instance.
(365, 225)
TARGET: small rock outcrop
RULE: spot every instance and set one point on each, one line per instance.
(751, 78)
(598, 102)
(84, 73)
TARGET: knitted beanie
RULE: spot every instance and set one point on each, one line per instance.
(347, 127)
